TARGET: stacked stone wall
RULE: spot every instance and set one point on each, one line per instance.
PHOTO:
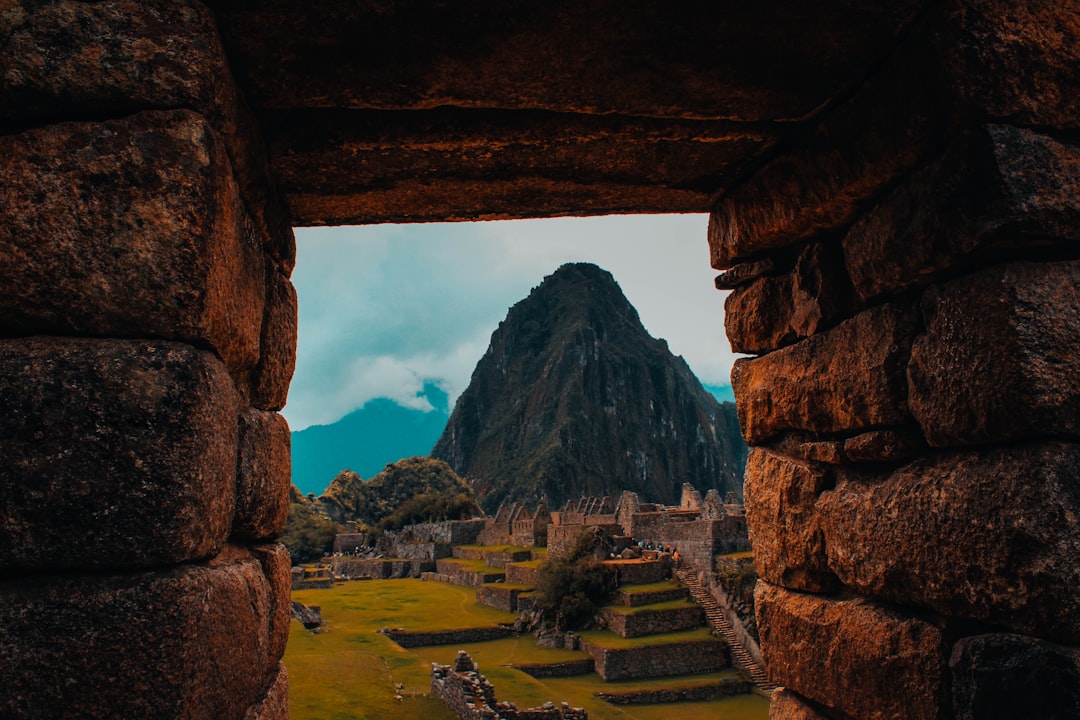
(652, 622)
(498, 596)
(464, 636)
(908, 282)
(659, 660)
(149, 330)
(648, 598)
(519, 574)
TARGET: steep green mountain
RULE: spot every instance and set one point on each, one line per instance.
(573, 397)
(349, 498)
(366, 440)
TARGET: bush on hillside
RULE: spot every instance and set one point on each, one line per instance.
(350, 499)
(570, 590)
(431, 507)
(308, 535)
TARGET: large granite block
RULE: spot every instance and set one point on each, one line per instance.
(990, 535)
(264, 473)
(116, 453)
(270, 379)
(853, 656)
(189, 642)
(1000, 359)
(129, 228)
(844, 380)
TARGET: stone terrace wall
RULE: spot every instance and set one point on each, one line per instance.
(659, 660)
(148, 339)
(908, 279)
(652, 622)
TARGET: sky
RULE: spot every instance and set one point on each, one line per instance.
(384, 308)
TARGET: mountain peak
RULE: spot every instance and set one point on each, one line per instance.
(573, 397)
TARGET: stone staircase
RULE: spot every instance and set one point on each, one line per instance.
(718, 621)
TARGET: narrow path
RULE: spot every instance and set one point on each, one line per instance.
(718, 621)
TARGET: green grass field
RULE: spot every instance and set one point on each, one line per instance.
(350, 671)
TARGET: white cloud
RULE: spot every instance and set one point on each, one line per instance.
(383, 308)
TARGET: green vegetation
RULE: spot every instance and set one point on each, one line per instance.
(479, 566)
(662, 586)
(603, 638)
(350, 671)
(431, 507)
(651, 608)
(307, 533)
(351, 499)
(569, 591)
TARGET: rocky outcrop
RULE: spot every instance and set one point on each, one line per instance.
(573, 398)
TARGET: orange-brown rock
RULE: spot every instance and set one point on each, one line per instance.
(774, 311)
(129, 228)
(787, 705)
(884, 445)
(1013, 676)
(1000, 359)
(989, 534)
(275, 706)
(805, 447)
(845, 380)
(276, 566)
(186, 642)
(116, 453)
(1018, 62)
(785, 530)
(263, 475)
(1000, 188)
(270, 379)
(855, 151)
(852, 655)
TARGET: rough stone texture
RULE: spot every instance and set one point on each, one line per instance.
(805, 447)
(856, 150)
(651, 622)
(129, 228)
(275, 705)
(116, 453)
(999, 189)
(1012, 676)
(1000, 359)
(64, 59)
(785, 529)
(680, 658)
(1005, 530)
(744, 273)
(263, 475)
(189, 642)
(451, 164)
(270, 380)
(853, 656)
(847, 379)
(757, 316)
(277, 567)
(1019, 62)
(787, 705)
(884, 445)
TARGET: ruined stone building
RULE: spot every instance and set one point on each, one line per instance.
(894, 192)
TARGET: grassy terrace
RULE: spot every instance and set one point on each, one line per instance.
(349, 671)
(650, 587)
(472, 565)
(502, 548)
(610, 640)
(654, 607)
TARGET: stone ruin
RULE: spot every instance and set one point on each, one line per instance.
(892, 190)
(699, 528)
(471, 697)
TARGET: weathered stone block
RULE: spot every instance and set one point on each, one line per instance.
(990, 535)
(856, 151)
(263, 475)
(69, 59)
(277, 567)
(787, 705)
(757, 316)
(129, 228)
(785, 530)
(116, 453)
(853, 656)
(187, 642)
(847, 379)
(275, 705)
(1001, 356)
(1019, 62)
(270, 381)
(884, 445)
(999, 187)
(1012, 676)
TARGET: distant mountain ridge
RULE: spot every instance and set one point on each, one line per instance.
(365, 440)
(573, 397)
